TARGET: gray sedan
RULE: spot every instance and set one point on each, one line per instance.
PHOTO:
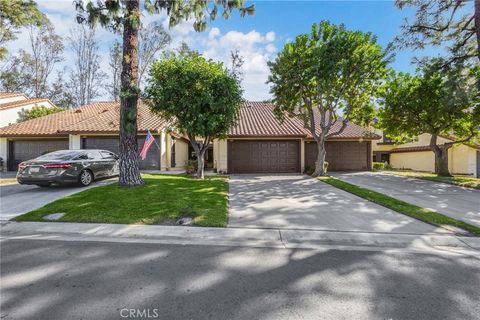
(67, 167)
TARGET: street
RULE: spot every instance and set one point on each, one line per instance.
(58, 279)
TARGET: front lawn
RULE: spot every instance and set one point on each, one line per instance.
(163, 199)
(400, 206)
(463, 181)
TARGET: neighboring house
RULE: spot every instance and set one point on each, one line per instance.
(259, 143)
(11, 103)
(417, 155)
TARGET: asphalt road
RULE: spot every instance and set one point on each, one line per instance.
(46, 279)
(456, 202)
(17, 199)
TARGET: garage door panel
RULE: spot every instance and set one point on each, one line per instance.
(23, 150)
(248, 156)
(151, 162)
(340, 155)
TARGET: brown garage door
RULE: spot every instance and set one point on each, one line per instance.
(341, 155)
(22, 150)
(151, 162)
(269, 156)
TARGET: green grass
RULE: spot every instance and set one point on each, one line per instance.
(463, 181)
(405, 208)
(8, 180)
(162, 199)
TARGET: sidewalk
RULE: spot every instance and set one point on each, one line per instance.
(249, 237)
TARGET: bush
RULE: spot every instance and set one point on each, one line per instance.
(378, 166)
(309, 169)
(192, 166)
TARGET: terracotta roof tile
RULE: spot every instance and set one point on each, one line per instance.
(96, 117)
(259, 119)
(11, 94)
(410, 149)
(20, 103)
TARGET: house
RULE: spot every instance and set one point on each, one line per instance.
(259, 143)
(11, 103)
(463, 159)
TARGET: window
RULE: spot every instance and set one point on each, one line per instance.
(108, 155)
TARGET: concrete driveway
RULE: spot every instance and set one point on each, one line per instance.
(300, 202)
(457, 202)
(17, 199)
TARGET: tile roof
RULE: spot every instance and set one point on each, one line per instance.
(259, 119)
(411, 149)
(101, 117)
(20, 103)
(11, 94)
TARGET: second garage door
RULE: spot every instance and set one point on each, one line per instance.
(341, 155)
(152, 162)
(269, 156)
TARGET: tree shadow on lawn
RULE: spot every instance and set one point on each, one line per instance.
(94, 280)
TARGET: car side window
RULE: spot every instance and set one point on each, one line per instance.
(92, 155)
(108, 155)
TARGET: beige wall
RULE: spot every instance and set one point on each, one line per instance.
(220, 155)
(181, 154)
(419, 161)
(462, 160)
(12, 99)
(3, 152)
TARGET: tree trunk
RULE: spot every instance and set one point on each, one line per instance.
(201, 165)
(441, 157)
(320, 163)
(477, 25)
(129, 170)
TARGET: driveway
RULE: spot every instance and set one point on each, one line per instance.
(454, 201)
(300, 202)
(17, 199)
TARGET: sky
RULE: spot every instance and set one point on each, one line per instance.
(258, 38)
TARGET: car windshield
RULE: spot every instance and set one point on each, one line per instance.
(60, 155)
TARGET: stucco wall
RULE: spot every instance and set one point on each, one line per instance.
(462, 159)
(10, 116)
(220, 155)
(181, 154)
(420, 161)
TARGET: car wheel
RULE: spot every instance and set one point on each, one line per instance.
(85, 178)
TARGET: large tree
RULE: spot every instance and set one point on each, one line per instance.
(200, 97)
(125, 16)
(30, 70)
(86, 76)
(452, 24)
(438, 101)
(321, 76)
(15, 14)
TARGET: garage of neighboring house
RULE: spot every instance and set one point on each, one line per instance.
(23, 150)
(112, 143)
(263, 156)
(341, 155)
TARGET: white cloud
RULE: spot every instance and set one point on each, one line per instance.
(255, 47)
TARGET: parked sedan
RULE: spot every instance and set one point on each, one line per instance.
(68, 166)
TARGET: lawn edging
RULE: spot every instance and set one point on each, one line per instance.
(456, 180)
(423, 214)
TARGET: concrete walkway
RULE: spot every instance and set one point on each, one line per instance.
(300, 202)
(454, 201)
(244, 237)
(17, 199)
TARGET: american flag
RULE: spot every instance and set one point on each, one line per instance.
(149, 140)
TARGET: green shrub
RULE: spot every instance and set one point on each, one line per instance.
(191, 166)
(378, 166)
(309, 169)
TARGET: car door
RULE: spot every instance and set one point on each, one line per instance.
(110, 163)
(95, 163)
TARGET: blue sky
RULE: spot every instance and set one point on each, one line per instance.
(258, 38)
